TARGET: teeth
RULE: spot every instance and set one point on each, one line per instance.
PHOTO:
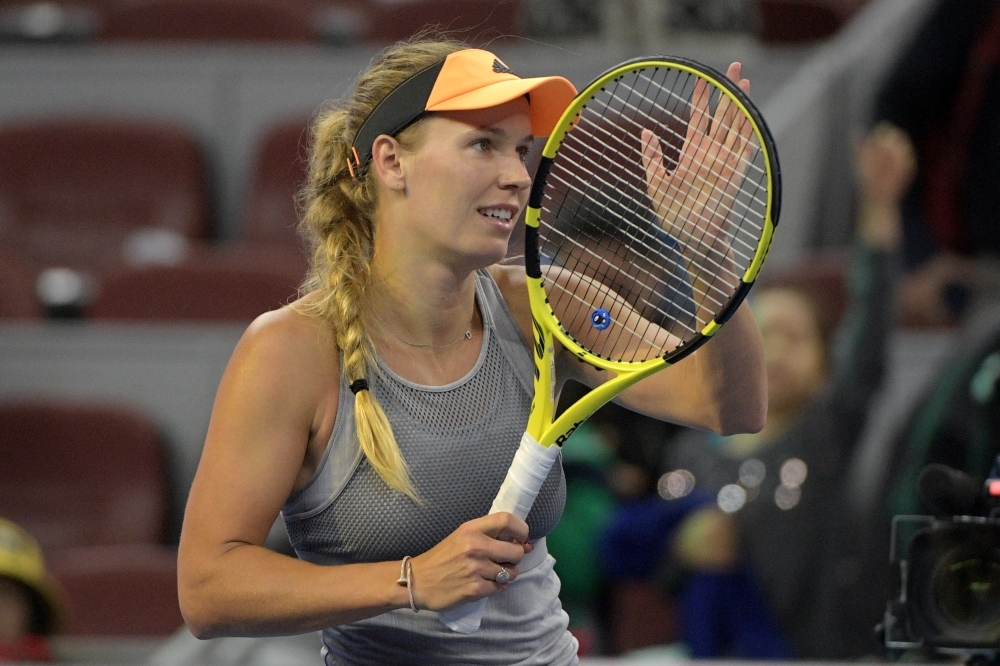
(497, 212)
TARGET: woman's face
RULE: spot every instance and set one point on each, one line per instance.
(793, 348)
(465, 182)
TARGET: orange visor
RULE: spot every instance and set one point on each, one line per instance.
(463, 81)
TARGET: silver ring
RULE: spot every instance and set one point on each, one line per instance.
(503, 577)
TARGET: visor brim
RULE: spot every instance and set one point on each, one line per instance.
(549, 98)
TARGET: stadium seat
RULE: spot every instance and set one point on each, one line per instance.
(82, 474)
(89, 482)
(17, 288)
(793, 21)
(278, 174)
(121, 590)
(72, 190)
(233, 286)
(476, 20)
(208, 20)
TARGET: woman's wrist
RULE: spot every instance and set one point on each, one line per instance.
(399, 595)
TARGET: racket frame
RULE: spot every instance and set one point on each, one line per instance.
(545, 324)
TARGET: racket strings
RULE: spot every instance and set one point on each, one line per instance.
(635, 191)
(658, 284)
(748, 164)
(744, 256)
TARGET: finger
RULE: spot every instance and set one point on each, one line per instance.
(652, 161)
(657, 180)
(504, 551)
(725, 132)
(495, 570)
(700, 116)
(734, 70)
(738, 137)
(504, 526)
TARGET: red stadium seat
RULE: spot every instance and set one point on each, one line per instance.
(79, 475)
(224, 287)
(17, 288)
(122, 590)
(475, 19)
(279, 173)
(792, 21)
(71, 191)
(208, 20)
(89, 482)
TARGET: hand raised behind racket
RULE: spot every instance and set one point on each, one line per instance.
(694, 198)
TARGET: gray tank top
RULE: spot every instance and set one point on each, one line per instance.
(458, 441)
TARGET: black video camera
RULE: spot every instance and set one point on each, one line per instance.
(949, 568)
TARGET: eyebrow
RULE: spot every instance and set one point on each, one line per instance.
(497, 131)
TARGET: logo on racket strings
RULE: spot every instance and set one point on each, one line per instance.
(600, 319)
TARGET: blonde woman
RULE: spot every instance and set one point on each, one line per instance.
(380, 411)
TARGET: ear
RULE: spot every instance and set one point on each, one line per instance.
(386, 154)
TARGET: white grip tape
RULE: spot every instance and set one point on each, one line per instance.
(527, 473)
(525, 477)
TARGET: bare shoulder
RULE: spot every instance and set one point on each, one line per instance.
(512, 282)
(290, 358)
(288, 337)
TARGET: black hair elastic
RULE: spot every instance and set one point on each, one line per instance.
(359, 385)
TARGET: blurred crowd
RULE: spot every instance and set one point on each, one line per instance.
(750, 546)
(686, 544)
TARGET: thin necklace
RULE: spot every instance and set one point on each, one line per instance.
(465, 336)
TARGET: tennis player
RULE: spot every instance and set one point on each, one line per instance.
(379, 412)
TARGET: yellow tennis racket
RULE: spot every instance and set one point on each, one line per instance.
(648, 221)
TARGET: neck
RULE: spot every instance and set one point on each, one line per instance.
(420, 303)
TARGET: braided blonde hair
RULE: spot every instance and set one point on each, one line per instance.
(337, 219)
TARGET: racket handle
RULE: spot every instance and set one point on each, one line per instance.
(525, 477)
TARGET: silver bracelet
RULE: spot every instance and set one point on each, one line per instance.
(406, 578)
(402, 572)
(409, 585)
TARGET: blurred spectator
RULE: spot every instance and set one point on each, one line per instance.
(722, 610)
(778, 493)
(944, 93)
(30, 606)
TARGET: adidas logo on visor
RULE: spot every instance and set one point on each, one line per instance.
(501, 68)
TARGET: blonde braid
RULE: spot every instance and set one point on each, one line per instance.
(337, 218)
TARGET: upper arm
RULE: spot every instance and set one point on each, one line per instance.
(273, 399)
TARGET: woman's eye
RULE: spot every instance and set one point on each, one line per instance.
(482, 144)
(522, 153)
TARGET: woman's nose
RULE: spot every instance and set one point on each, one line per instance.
(515, 175)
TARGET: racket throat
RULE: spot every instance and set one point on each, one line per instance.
(582, 409)
(544, 402)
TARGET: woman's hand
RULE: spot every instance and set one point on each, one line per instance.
(694, 198)
(464, 566)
